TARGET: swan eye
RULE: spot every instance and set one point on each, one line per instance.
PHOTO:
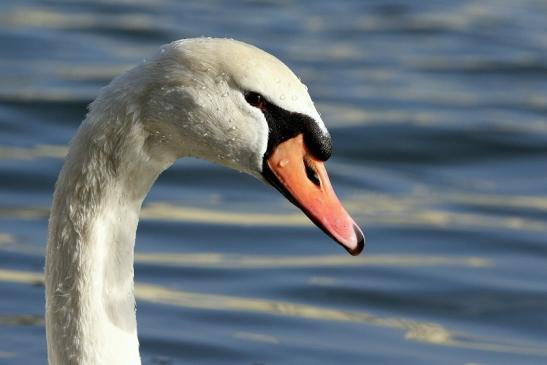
(255, 100)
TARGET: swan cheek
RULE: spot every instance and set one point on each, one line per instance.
(303, 179)
(255, 144)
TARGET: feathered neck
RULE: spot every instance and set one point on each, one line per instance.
(90, 306)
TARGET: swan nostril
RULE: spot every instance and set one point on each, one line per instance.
(312, 174)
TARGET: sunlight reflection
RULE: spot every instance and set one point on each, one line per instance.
(373, 209)
(41, 17)
(236, 261)
(5, 354)
(416, 208)
(428, 332)
(170, 212)
(32, 153)
(263, 261)
(6, 239)
(380, 210)
(256, 337)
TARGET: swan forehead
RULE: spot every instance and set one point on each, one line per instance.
(253, 69)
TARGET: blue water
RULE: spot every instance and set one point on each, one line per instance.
(438, 111)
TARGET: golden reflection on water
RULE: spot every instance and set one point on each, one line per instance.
(33, 153)
(262, 261)
(369, 205)
(256, 337)
(170, 212)
(236, 261)
(411, 209)
(6, 239)
(4, 354)
(428, 332)
(40, 17)
(24, 213)
(507, 201)
(369, 208)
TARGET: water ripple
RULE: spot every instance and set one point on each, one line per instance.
(428, 332)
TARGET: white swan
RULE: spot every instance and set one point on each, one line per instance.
(217, 99)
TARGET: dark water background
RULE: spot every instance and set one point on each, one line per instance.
(438, 112)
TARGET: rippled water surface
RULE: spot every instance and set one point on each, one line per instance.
(438, 112)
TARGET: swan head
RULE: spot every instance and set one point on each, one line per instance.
(233, 104)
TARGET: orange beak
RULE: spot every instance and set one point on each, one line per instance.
(304, 181)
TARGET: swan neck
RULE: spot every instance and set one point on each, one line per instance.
(90, 305)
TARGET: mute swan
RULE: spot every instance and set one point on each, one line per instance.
(217, 99)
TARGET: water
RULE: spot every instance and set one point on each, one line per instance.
(439, 117)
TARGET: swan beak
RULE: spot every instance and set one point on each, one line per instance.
(303, 179)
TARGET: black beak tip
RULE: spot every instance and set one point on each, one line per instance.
(360, 242)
